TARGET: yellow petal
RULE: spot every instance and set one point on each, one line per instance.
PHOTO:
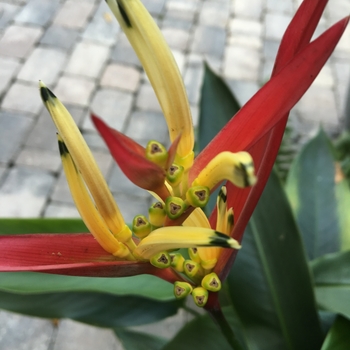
(84, 161)
(87, 209)
(162, 71)
(174, 237)
(237, 168)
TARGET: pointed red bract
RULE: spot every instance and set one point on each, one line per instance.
(131, 159)
(265, 150)
(76, 254)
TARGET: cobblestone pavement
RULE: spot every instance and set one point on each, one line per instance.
(79, 51)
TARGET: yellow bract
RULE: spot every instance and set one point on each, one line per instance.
(162, 71)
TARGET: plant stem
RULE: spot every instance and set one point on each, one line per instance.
(218, 316)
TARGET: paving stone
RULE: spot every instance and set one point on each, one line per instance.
(249, 9)
(18, 41)
(61, 210)
(146, 125)
(173, 22)
(342, 70)
(270, 48)
(183, 10)
(43, 135)
(243, 89)
(74, 14)
(8, 69)
(124, 53)
(38, 158)
(76, 336)
(60, 37)
(209, 41)
(214, 14)
(103, 28)
(43, 64)
(122, 77)
(337, 9)
(275, 25)
(193, 78)
(241, 63)
(38, 12)
(3, 170)
(318, 104)
(22, 98)
(95, 141)
(112, 106)
(61, 192)
(154, 7)
(266, 70)
(25, 192)
(285, 6)
(23, 332)
(147, 99)
(325, 77)
(74, 90)
(91, 67)
(245, 26)
(176, 38)
(119, 183)
(7, 12)
(243, 40)
(13, 130)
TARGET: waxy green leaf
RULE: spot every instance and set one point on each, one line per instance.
(332, 282)
(320, 198)
(133, 340)
(338, 338)
(269, 283)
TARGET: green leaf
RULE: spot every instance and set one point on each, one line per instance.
(132, 340)
(319, 203)
(23, 226)
(100, 309)
(202, 333)
(332, 282)
(35, 283)
(217, 106)
(338, 338)
(269, 283)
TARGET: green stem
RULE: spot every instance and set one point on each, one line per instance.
(225, 328)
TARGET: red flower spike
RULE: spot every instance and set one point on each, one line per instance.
(266, 148)
(131, 159)
(69, 254)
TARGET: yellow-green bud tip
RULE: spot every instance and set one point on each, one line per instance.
(211, 282)
(200, 296)
(182, 289)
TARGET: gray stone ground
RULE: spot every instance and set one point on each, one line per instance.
(79, 51)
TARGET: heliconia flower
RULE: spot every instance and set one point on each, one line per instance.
(241, 154)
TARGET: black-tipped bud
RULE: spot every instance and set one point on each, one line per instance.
(141, 226)
(198, 196)
(182, 289)
(211, 282)
(156, 153)
(161, 260)
(200, 296)
(174, 174)
(157, 214)
(174, 207)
